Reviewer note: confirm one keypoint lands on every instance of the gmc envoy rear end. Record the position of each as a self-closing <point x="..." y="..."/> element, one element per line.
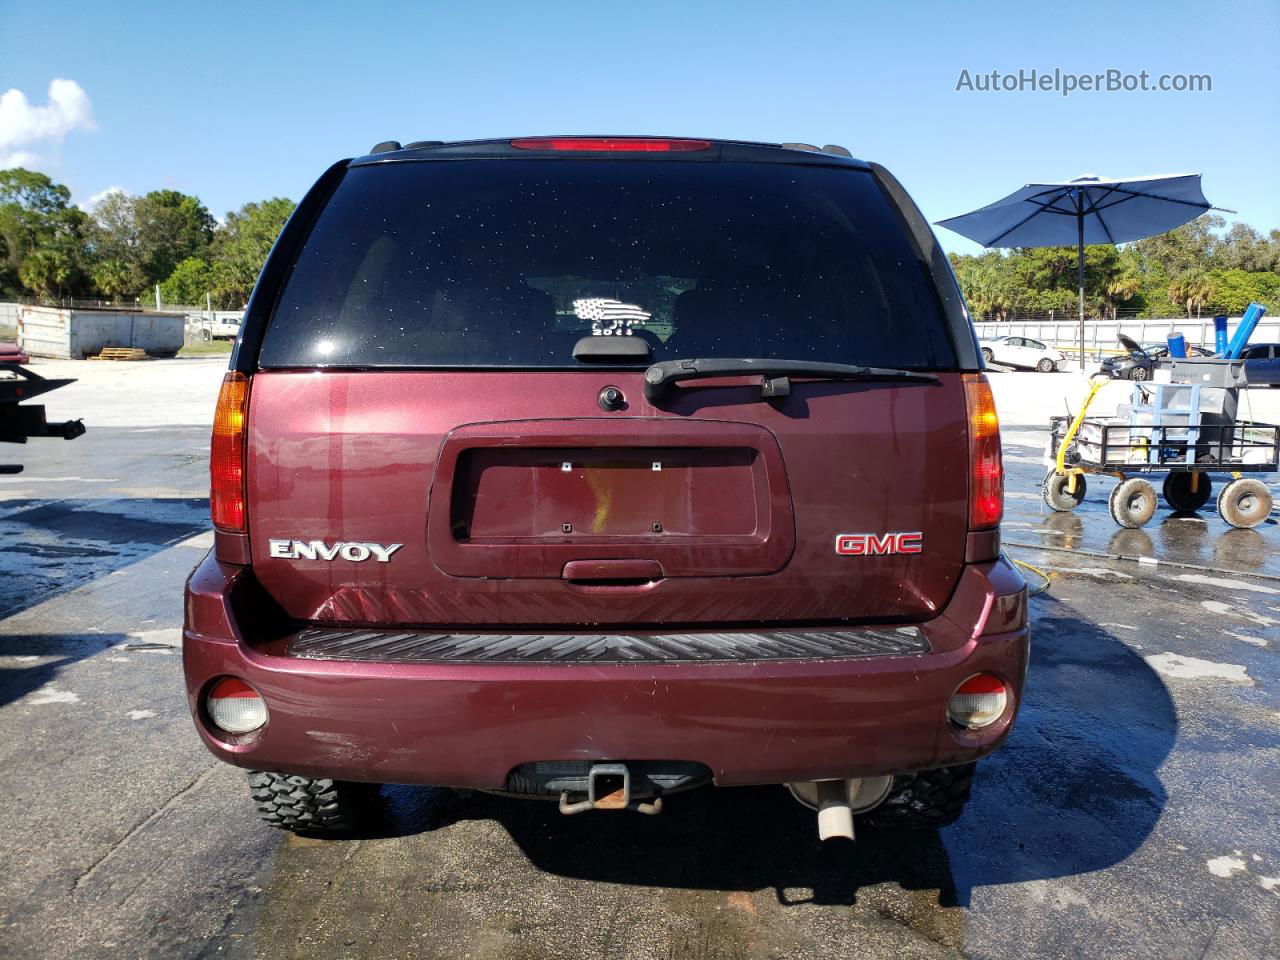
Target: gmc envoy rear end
<point x="598" y="469"/>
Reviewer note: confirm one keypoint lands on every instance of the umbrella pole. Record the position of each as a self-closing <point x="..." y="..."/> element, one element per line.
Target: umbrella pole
<point x="1080" y="271"/>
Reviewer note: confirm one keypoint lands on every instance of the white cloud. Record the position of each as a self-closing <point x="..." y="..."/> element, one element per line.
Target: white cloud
<point x="98" y="197"/>
<point x="24" y="124"/>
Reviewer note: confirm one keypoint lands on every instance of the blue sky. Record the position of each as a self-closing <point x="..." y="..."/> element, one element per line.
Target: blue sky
<point x="238" y="102"/>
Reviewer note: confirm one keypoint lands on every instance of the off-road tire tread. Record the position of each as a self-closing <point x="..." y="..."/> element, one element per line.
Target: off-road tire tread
<point x="1230" y="490"/>
<point x="924" y="801"/>
<point x="306" y="805"/>
<point x="1117" y="494"/>
<point x="1056" y="497"/>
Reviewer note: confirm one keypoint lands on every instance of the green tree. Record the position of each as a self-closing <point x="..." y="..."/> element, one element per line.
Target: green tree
<point x="1192" y="289"/>
<point x="118" y="279"/>
<point x="1189" y="247"/>
<point x="1234" y="290"/>
<point x="113" y="228"/>
<point x="171" y="227"/>
<point x="189" y="282"/>
<point x="36" y="217"/>
<point x="47" y="272"/>
<point x="241" y="246"/>
<point x="987" y="284"/>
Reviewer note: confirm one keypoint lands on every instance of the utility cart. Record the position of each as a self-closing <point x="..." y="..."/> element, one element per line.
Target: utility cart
<point x="1184" y="431"/>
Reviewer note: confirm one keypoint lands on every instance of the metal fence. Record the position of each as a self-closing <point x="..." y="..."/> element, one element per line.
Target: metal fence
<point x="1100" y="336"/>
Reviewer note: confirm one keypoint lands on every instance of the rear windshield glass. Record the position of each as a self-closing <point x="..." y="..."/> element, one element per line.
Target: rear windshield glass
<point x="507" y="263"/>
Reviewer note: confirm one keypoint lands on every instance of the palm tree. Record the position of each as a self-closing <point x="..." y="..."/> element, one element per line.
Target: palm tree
<point x="1193" y="289"/>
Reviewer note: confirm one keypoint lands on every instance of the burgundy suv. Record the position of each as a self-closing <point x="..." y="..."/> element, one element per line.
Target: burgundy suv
<point x="597" y="469"/>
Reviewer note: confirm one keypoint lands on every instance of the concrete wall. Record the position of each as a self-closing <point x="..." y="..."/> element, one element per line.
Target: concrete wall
<point x="76" y="334"/>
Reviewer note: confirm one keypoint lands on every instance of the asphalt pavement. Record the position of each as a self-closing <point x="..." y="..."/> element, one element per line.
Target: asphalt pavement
<point x="1134" y="812"/>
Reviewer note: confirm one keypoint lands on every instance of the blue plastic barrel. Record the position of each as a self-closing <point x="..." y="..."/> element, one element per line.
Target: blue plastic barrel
<point x="1177" y="346"/>
<point x="1220" y="335"/>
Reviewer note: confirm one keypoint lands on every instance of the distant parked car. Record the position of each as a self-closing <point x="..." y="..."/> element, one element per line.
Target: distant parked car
<point x="12" y="353"/>
<point x="1139" y="362"/>
<point x="221" y="327"/>
<point x="1021" y="352"/>
<point x="1262" y="363"/>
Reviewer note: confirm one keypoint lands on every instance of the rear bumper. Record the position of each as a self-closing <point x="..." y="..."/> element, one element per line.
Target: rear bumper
<point x="469" y="724"/>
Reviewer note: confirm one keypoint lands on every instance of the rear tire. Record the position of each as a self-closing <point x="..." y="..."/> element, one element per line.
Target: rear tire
<point x="1244" y="503"/>
<point x="1132" y="503"/>
<point x="1055" y="492"/>
<point x="1045" y="365"/>
<point x="309" y="806"/>
<point x="925" y="800"/>
<point x="987" y="355"/>
<point x="1178" y="493"/>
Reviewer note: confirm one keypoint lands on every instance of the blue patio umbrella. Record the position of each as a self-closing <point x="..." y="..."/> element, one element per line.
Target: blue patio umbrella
<point x="1083" y="211"/>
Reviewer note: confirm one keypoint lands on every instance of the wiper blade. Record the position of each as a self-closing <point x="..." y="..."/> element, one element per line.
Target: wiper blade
<point x="776" y="373"/>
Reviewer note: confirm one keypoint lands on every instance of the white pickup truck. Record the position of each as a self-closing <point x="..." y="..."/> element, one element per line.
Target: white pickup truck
<point x="222" y="326"/>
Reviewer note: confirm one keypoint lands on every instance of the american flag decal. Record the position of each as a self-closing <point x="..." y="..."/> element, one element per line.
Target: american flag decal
<point x="610" y="317"/>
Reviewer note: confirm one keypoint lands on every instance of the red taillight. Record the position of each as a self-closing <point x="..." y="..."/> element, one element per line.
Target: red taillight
<point x="612" y="144"/>
<point x="986" y="467"/>
<point x="235" y="707"/>
<point x="226" y="454"/>
<point x="978" y="702"/>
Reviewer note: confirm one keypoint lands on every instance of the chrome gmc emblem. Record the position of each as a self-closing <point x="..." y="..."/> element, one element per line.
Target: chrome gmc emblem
<point x="878" y="544"/>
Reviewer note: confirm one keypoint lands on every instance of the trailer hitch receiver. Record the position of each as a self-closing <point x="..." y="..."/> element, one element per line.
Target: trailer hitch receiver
<point x="609" y="788"/>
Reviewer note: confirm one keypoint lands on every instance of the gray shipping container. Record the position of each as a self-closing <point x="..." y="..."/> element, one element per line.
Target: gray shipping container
<point x="76" y="334"/>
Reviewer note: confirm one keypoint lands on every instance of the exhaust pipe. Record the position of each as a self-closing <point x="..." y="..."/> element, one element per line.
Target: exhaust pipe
<point x="836" y="801"/>
<point x="835" y="816"/>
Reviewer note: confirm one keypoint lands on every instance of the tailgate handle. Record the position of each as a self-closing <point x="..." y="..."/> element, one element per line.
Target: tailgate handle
<point x="613" y="571"/>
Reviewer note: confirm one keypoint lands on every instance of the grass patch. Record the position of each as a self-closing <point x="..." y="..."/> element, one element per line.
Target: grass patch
<point x="203" y="349"/>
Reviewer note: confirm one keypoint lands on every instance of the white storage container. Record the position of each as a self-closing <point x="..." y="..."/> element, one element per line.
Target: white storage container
<point x="76" y="334"/>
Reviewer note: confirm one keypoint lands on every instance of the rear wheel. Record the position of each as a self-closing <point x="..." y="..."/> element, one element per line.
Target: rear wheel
<point x="987" y="355"/>
<point x="1056" y="492"/>
<point x="1179" y="495"/>
<point x="1045" y="365"/>
<point x="305" y="805"/>
<point x="925" y="800"/>
<point x="1245" y="502"/>
<point x="1139" y="373"/>
<point x="1132" y="502"/>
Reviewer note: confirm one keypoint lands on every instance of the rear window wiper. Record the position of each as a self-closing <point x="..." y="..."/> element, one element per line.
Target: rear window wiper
<point x="776" y="374"/>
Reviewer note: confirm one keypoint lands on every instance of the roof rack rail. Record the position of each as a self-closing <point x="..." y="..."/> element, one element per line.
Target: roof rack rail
<point x="423" y="143"/>
<point x="837" y="150"/>
<point x="809" y="147"/>
<point x="386" y="146"/>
